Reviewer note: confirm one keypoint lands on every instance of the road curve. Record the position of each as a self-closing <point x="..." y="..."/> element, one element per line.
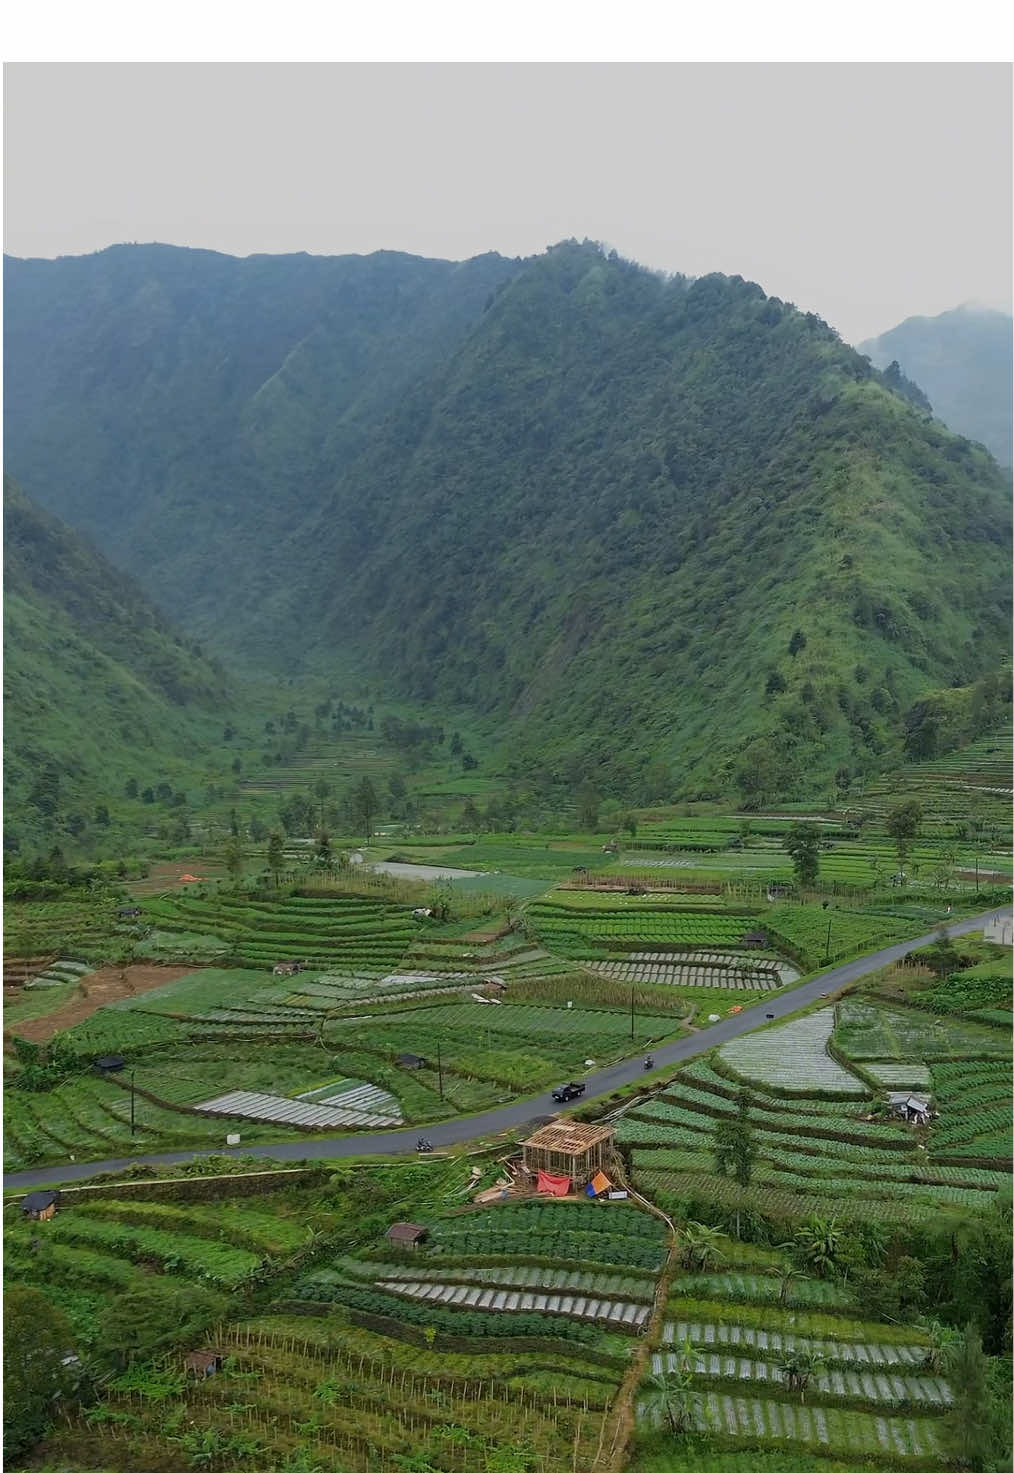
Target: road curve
<point x="492" y="1122"/>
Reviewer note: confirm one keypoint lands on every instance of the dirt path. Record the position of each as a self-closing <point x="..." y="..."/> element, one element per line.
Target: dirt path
<point x="94" y="992"/>
<point x="613" y="1451"/>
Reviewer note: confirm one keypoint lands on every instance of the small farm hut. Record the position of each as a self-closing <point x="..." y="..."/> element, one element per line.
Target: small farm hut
<point x="754" y="938"/>
<point x="41" y="1206"/>
<point x="406" y="1234"/>
<point x="110" y="1063"/>
<point x="286" y="969"/>
<point x="410" y="1061"/>
<point x="914" y="1109"/>
<point x="204" y="1363"/>
<point x="128" y="912"/>
<point x="568" y="1149"/>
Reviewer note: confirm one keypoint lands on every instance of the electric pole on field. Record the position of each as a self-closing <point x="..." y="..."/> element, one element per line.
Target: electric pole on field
<point x="440" y="1071"/>
<point x="631" y="1012"/>
<point x="132" y="1102"/>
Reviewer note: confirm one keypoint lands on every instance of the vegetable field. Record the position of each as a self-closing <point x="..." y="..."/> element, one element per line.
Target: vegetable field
<point x="814" y="1153"/>
<point x="869" y="1394"/>
<point x="792" y="1058"/>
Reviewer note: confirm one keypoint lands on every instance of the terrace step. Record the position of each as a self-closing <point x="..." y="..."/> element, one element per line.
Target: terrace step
<point x="500" y="1300"/>
<point x="253" y="1106"/>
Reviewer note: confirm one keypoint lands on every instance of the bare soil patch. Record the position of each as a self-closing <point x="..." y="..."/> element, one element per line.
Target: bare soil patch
<point x="168" y="875"/>
<point x="102" y="987"/>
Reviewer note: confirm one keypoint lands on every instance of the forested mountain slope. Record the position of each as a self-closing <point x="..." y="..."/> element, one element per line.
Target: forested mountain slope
<point x="674" y="535"/>
<point x="187" y="408"/>
<point x="962" y="359"/>
<point x="666" y="522"/>
<point x="96" y="684"/>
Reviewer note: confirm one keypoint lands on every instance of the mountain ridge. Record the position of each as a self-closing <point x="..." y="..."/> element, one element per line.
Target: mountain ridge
<point x="597" y="507"/>
<point x="962" y="359"/>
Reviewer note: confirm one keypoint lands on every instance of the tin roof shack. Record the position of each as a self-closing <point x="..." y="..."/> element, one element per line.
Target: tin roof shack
<point x="40" y="1206"/>
<point x="406" y="1234"/>
<point x="568" y="1148"/>
<point x="913" y="1109"/>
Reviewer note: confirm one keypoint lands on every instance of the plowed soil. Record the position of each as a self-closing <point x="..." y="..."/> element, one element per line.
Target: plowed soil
<point x="102" y="987"/>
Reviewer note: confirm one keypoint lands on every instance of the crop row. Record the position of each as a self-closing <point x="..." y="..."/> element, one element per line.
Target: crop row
<point x="676" y="1188"/>
<point x="841" y="1184"/>
<point x="761" y="1289"/>
<point x="772" y="1342"/>
<point x="849" y="1431"/>
<point x="194" y="1257"/>
<point x="793" y="1057"/>
<point x="617" y="1313"/>
<point x="518" y="1276"/>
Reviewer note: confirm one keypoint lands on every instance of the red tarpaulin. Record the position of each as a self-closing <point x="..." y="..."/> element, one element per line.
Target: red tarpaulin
<point x="556" y="1186"/>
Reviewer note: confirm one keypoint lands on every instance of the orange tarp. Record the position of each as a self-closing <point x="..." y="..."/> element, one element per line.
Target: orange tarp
<point x="191" y="879"/>
<point x="556" y="1186"/>
<point x="601" y="1183"/>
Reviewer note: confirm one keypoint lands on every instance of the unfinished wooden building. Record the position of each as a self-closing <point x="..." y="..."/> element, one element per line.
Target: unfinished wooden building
<point x="568" y="1148"/>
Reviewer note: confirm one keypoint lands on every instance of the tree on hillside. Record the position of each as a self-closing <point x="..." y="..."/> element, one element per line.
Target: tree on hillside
<point x="902" y="823"/>
<point x="323" y="849"/>
<point x="37" y="1383"/>
<point x="276" y="855"/>
<point x="587" y="808"/>
<point x="734" y="1149"/>
<point x="797" y="643"/>
<point x="364" y="805"/>
<point x="322" y="791"/>
<point x="470" y="819"/>
<point x="802" y="844"/>
<point x="234" y="859"/>
<point x="969" y="1429"/>
<point x="629" y="822"/>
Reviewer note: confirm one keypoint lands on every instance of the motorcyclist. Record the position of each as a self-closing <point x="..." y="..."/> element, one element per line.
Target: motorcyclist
<point x="649" y="1062"/>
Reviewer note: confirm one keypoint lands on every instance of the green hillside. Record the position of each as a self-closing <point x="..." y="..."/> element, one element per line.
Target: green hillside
<point x="677" y="533"/>
<point x="963" y="361"/>
<point x="96" y="683"/>
<point x="673" y="537"/>
<point x="187" y="408"/>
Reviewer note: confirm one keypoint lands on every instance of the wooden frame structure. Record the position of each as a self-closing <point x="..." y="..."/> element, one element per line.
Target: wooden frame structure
<point x="568" y="1148"/>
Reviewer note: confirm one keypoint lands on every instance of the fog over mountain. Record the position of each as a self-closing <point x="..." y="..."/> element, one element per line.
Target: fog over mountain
<point x="962" y="360"/>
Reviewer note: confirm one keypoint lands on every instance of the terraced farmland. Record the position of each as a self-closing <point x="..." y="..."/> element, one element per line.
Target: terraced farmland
<point x="106" y="1246"/>
<point x="813" y="1155"/>
<point x="792" y="1058"/>
<point x="585" y="931"/>
<point x="355" y="933"/>
<point x="869" y="1393"/>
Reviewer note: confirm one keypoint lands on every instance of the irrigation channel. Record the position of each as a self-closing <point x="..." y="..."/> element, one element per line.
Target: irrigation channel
<point x="493" y="1122"/>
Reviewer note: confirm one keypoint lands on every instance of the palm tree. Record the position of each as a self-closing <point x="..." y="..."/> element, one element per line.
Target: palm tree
<point x="669" y="1394"/>
<point x="798" y="1367"/>
<point x="788" y="1274"/>
<point x="818" y="1242"/>
<point x="700" y="1245"/>
<point x="945" y="1342"/>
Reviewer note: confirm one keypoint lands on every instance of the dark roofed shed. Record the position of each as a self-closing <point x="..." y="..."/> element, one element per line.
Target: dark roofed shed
<point x="406" y="1234"/>
<point x="41" y="1205"/>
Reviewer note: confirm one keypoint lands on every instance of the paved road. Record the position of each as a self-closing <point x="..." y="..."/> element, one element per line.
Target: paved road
<point x="493" y="1122"/>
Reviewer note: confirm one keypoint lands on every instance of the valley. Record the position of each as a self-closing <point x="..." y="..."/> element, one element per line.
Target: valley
<point x="429" y="685"/>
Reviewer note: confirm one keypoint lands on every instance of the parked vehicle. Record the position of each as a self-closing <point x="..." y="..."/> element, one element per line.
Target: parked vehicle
<point x="422" y="1144"/>
<point x="568" y="1092"/>
<point x="649" y="1062"/>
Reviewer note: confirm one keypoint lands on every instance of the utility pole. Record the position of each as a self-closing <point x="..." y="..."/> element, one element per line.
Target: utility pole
<point x="440" y="1071"/>
<point x="827" y="944"/>
<point x="631" y="1012"/>
<point x="132" y="1102"/>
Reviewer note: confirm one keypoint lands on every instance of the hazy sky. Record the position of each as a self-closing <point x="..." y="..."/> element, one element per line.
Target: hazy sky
<point x="865" y="192"/>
